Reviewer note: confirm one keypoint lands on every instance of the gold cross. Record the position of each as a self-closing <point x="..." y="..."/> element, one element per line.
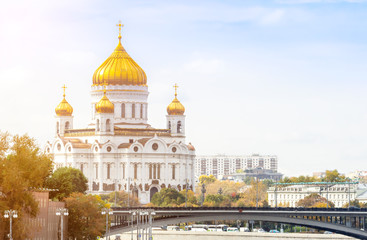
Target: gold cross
<point x="104" y="87"/>
<point x="120" y="25"/>
<point x="64" y="87"/>
<point x="175" y="86"/>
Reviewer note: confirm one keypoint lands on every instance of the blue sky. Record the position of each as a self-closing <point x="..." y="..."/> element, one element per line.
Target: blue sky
<point x="283" y="77"/>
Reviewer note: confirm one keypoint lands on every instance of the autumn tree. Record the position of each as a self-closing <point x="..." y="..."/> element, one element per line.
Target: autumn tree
<point x="85" y="220"/>
<point x="207" y="179"/>
<point x="314" y="200"/>
<point x="65" y="181"/>
<point x="121" y="198"/>
<point x="257" y="192"/>
<point x="168" y="197"/>
<point x="333" y="176"/>
<point x="23" y="169"/>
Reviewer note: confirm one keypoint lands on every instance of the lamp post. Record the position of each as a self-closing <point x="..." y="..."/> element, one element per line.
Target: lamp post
<point x="203" y="191"/>
<point x="128" y="192"/>
<point x="108" y="212"/>
<point x="11" y="214"/>
<point x="186" y="189"/>
<point x="132" y="224"/>
<point x="151" y="213"/>
<point x="62" y="212"/>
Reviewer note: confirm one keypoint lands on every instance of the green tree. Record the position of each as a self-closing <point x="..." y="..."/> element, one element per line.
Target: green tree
<point x="85" y="220"/>
<point x="168" y="197"/>
<point x="353" y="203"/>
<point x="23" y="169"/>
<point x="333" y="176"/>
<point x="314" y="200"/>
<point x="66" y="181"/>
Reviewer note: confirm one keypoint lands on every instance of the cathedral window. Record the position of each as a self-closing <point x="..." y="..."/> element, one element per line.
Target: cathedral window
<point x="82" y="168"/>
<point x="159" y="171"/>
<point x="155" y="146"/>
<point x="154" y="171"/>
<point x="135" y="171"/>
<point x="179" y="127"/>
<point x="96" y="167"/>
<point x="123" y="110"/>
<point x="133" y="110"/>
<point x="58" y="127"/>
<point x="141" y="111"/>
<point x="67" y="125"/>
<point x="169" y="125"/>
<point x="150" y="171"/>
<point x="123" y="170"/>
<point x="173" y="171"/>
<point x="108" y="171"/>
<point x="97" y="125"/>
<point x="108" y="125"/>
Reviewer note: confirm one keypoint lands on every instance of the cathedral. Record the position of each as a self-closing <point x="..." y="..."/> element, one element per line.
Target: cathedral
<point x="118" y="150"/>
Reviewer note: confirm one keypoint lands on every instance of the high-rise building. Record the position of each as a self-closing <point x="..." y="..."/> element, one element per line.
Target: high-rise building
<point x="118" y="149"/>
<point x="220" y="165"/>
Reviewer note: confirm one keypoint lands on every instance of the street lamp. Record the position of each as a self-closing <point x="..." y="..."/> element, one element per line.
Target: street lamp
<point x="108" y="212"/>
<point x="151" y="213"/>
<point x="62" y="212"/>
<point x="132" y="223"/>
<point x="11" y="214"/>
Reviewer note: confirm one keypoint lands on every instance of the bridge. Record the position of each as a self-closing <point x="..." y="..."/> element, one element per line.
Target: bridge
<point x="346" y="221"/>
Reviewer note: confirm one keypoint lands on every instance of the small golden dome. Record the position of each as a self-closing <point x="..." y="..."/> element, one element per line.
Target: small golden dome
<point x="119" y="69"/>
<point x="105" y="105"/>
<point x="175" y="107"/>
<point x="64" y="108"/>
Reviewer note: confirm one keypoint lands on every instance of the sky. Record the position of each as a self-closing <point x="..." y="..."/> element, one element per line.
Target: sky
<point x="272" y="77"/>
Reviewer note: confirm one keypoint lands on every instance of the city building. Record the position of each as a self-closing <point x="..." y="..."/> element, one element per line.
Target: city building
<point x="339" y="193"/>
<point x="255" y="173"/>
<point x="46" y="225"/>
<point x="118" y="149"/>
<point x="220" y="165"/>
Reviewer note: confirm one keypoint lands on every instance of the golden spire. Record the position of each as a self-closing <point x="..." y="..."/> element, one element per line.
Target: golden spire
<point x="64" y="87"/>
<point x="64" y="108"/>
<point x="120" y="26"/>
<point x="175" y="107"/>
<point x="175" y="86"/>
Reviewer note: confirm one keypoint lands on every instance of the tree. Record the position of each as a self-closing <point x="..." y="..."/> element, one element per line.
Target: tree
<point x="85" y="220"/>
<point x="168" y="197"/>
<point x="333" y="176"/>
<point x="121" y="199"/>
<point x="257" y="192"/>
<point x="66" y="180"/>
<point x="314" y="200"/>
<point x="23" y="168"/>
<point x="207" y="179"/>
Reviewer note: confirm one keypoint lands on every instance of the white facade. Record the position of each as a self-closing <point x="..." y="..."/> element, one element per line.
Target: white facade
<point x="288" y="196"/>
<point x="120" y="150"/>
<point x="220" y="165"/>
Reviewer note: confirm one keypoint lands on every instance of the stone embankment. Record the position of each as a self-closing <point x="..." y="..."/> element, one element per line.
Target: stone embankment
<point x="181" y="235"/>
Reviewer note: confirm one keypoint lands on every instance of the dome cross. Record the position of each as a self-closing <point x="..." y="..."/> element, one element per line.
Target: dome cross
<point x="64" y="87"/>
<point x="175" y="86"/>
<point x="120" y="26"/>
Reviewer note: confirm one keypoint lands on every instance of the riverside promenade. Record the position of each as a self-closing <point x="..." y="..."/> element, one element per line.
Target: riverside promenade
<point x="182" y="235"/>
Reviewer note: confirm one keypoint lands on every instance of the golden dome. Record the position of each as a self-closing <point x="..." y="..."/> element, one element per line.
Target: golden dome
<point x="105" y="105"/>
<point x="64" y="108"/>
<point x="175" y="107"/>
<point x="119" y="69"/>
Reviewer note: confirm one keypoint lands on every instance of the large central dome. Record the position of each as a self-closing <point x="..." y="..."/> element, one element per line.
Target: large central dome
<point x="119" y="69"/>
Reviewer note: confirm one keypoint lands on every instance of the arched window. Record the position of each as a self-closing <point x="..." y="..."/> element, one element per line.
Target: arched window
<point x="97" y="125"/>
<point x="108" y="171"/>
<point x="58" y="127"/>
<point x="169" y="125"/>
<point x="67" y="125"/>
<point x="150" y="171"/>
<point x="141" y="111"/>
<point x="154" y="171"/>
<point x="173" y="171"/>
<point x="123" y="110"/>
<point x="82" y="168"/>
<point x="135" y="171"/>
<point x="133" y="110"/>
<point x="108" y="125"/>
<point x="179" y="127"/>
